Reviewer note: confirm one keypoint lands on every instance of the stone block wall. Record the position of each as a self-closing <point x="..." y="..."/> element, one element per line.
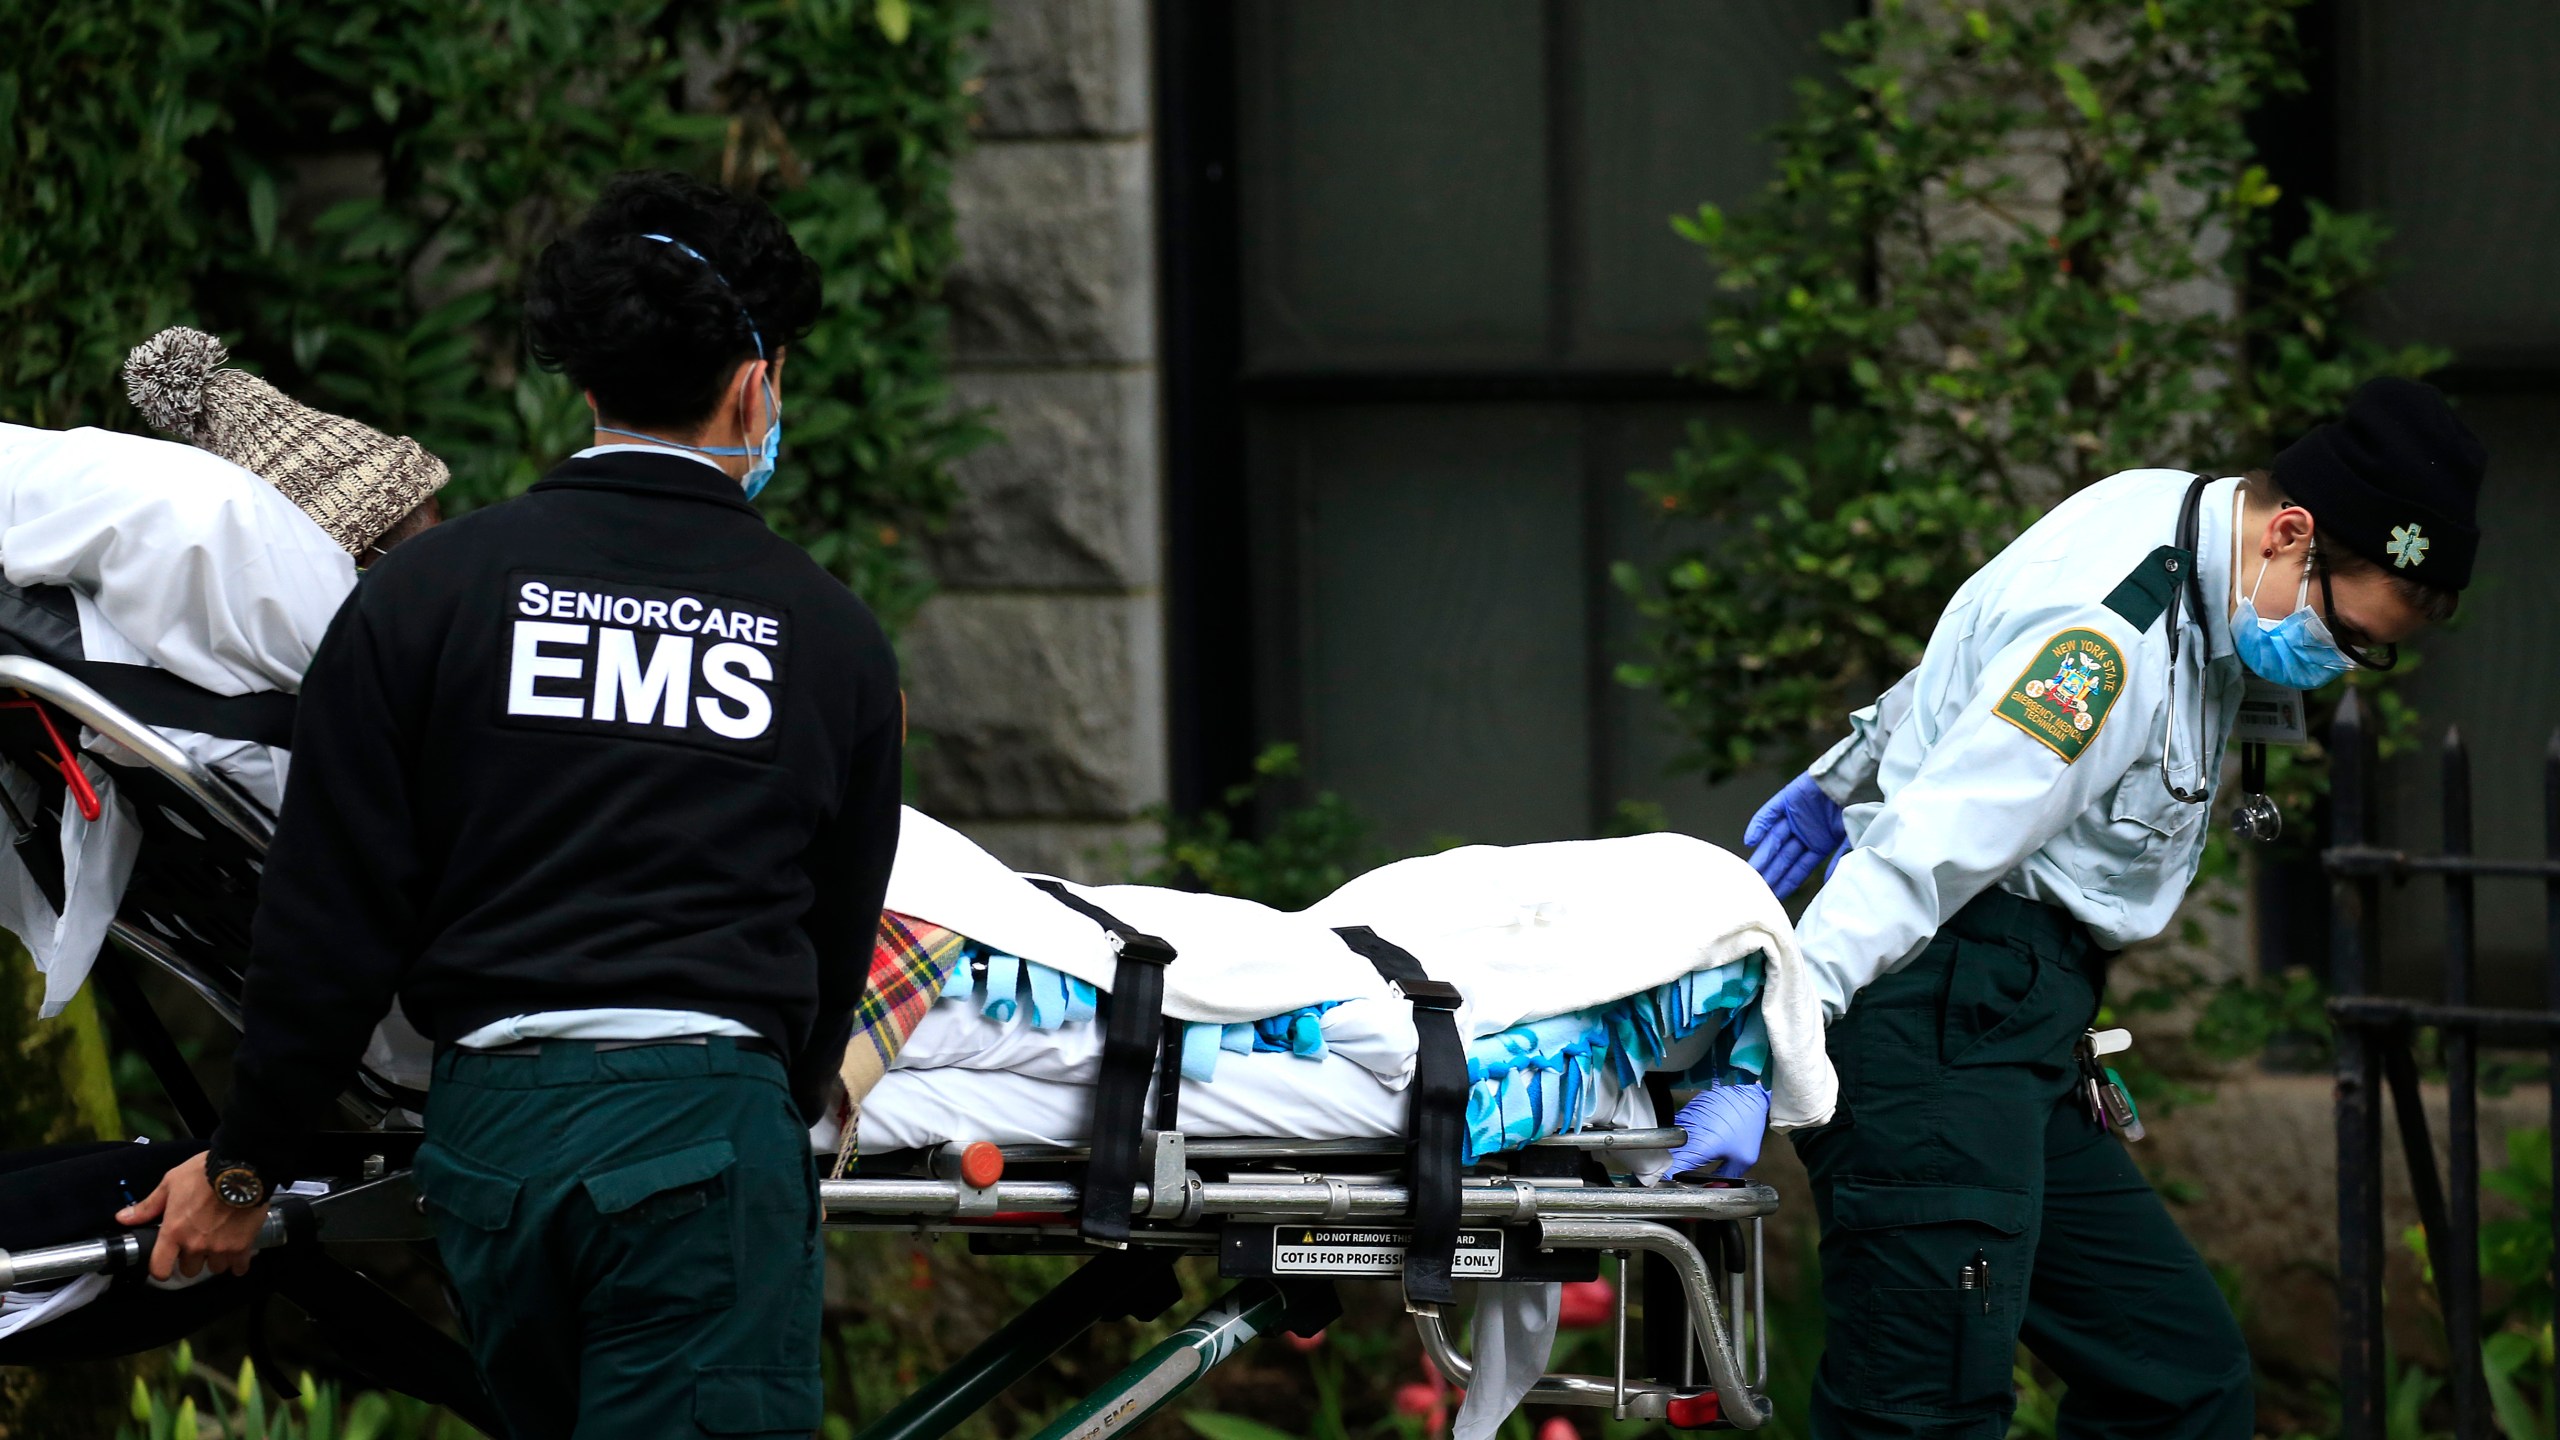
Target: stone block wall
<point x="1036" y="676"/>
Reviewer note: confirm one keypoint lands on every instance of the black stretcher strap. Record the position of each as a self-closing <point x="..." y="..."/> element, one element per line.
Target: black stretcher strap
<point x="156" y="697"/>
<point x="40" y="620"/>
<point x="1437" y="1124"/>
<point x="1135" y="1050"/>
<point x="43" y="623"/>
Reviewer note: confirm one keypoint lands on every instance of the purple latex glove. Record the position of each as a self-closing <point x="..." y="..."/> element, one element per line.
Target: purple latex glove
<point x="1794" y="831"/>
<point x="1725" y="1126"/>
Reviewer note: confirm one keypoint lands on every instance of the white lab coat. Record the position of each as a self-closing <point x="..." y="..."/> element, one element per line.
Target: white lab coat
<point x="176" y="558"/>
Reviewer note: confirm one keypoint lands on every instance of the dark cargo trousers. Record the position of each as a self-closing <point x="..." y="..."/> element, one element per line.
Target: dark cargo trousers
<point x="634" y="1236"/>
<point x="1961" y="1142"/>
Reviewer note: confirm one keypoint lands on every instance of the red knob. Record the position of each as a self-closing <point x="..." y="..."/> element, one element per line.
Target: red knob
<point x="1696" y="1412"/>
<point x="981" y="1164"/>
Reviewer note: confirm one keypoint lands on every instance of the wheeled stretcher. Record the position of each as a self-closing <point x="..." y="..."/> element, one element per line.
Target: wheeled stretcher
<point x="1283" y="1219"/>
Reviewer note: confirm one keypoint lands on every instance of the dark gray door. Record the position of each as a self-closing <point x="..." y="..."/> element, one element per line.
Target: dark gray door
<point x="2449" y="131"/>
<point x="1463" y="307"/>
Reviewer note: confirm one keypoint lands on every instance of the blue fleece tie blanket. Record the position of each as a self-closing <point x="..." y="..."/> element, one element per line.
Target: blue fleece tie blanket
<point x="1530" y="1081"/>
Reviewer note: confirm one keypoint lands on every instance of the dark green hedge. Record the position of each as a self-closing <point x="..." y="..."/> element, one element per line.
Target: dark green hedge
<point x="348" y="193"/>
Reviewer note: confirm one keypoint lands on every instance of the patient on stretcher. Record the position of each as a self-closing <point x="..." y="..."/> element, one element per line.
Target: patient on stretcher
<point x="220" y="561"/>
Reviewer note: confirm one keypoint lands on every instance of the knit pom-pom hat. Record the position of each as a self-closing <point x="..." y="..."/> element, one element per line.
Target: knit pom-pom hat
<point x="353" y="481"/>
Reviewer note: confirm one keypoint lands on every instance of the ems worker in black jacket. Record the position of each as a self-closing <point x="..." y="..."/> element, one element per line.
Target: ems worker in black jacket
<point x="602" y="783"/>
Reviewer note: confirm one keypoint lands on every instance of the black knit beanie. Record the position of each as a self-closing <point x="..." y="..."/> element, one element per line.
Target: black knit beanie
<point x="2396" y="481"/>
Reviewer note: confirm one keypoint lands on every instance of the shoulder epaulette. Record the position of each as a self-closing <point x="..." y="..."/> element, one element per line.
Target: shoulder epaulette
<point x="2142" y="595"/>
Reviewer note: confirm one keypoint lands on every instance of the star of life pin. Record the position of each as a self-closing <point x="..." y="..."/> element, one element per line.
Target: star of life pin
<point x="2408" y="545"/>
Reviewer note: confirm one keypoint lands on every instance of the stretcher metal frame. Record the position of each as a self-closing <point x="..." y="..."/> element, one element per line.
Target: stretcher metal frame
<point x="1177" y="1212"/>
<point x="1724" y="1311"/>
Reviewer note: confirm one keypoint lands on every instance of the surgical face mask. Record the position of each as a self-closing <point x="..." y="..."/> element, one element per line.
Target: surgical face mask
<point x="766" y="451"/>
<point x="2298" y="650"/>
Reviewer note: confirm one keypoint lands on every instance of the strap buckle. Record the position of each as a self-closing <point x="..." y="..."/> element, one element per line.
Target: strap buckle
<point x="1143" y="948"/>
<point x="1431" y="994"/>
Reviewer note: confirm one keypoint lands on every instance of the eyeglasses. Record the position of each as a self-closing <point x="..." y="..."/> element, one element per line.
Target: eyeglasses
<point x="2366" y="653"/>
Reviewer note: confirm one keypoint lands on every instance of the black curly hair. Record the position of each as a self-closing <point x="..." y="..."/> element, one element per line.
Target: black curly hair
<point x="650" y="331"/>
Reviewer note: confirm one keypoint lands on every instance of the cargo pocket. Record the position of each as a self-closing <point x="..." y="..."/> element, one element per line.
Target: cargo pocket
<point x="757" y="1400"/>
<point x="1918" y="1338"/>
<point x="670" y="1225"/>
<point x="465" y="1191"/>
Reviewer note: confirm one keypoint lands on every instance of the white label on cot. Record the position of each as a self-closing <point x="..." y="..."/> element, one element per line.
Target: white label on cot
<point x="1313" y="1250"/>
<point x="2270" y="714"/>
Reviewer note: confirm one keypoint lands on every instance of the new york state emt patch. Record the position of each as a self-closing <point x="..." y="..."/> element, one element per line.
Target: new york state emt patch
<point x="2063" y="695"/>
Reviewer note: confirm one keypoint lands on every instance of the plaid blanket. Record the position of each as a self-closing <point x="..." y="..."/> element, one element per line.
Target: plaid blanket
<point x="910" y="961"/>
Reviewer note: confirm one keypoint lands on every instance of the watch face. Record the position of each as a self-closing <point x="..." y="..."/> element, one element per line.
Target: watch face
<point x="239" y="1187"/>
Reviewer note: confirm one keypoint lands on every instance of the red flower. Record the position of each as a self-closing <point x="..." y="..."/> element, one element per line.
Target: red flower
<point x="1303" y="1343"/>
<point x="1587" y="1304"/>
<point x="1428" y="1399"/>
<point x="1423" y="1403"/>
<point x="1556" y="1427"/>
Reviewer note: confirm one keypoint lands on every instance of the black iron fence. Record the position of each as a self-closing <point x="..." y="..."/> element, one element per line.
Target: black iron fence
<point x="2376" y="1049"/>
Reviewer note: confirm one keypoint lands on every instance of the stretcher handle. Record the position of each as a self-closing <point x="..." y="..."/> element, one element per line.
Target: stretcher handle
<point x="107" y="1255"/>
<point x="385" y="1209"/>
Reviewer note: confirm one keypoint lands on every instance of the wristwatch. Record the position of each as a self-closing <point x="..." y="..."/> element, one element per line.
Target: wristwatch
<point x="236" y="1183"/>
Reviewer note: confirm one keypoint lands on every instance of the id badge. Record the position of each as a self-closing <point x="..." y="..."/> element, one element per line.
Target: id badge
<point x="2270" y="714"/>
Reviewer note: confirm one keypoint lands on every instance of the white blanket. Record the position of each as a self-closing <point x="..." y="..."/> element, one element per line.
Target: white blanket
<point x="1529" y="931"/>
<point x="1241" y="961"/>
<point x="1524" y="932"/>
<point x="175" y="558"/>
<point x="206" y="568"/>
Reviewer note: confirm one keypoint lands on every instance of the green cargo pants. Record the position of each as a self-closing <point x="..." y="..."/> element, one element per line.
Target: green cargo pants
<point x="1960" y="1142"/>
<point x="634" y="1236"/>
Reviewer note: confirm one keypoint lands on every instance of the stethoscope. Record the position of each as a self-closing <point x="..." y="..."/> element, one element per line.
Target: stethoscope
<point x="2256" y="817"/>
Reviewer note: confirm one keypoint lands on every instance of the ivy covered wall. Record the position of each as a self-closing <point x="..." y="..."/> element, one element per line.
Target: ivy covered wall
<point x="348" y="193"/>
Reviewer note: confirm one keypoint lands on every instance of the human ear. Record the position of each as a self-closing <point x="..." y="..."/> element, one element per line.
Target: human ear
<point x="2287" y="529"/>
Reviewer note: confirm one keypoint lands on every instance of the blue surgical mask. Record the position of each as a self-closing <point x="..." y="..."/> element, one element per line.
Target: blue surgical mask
<point x="2298" y="650"/>
<point x="768" y="451"/>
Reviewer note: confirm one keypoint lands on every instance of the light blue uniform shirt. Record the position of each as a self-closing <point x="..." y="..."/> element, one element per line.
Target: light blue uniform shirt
<point x="1945" y="798"/>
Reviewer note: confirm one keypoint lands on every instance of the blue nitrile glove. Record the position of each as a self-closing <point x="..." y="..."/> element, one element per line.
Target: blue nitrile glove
<point x="1797" y="829"/>
<point x="1725" y="1126"/>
